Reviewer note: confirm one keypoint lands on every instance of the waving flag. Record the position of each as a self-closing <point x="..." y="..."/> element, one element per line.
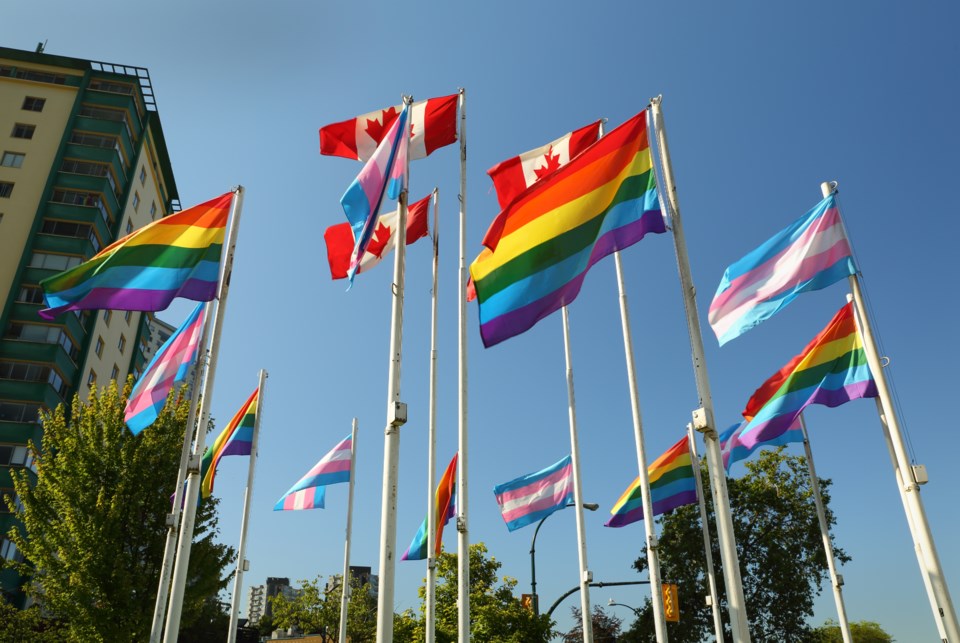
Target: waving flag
<point x="733" y="450"/>
<point x="433" y="124"/>
<point x="446" y="509"/>
<point x="671" y="485"/>
<point x="235" y="439"/>
<point x="385" y="174"/>
<point x="169" y="366"/>
<point x="810" y="254"/>
<point x="542" y="245"/>
<point x="309" y="491"/>
<point x="535" y="496"/>
<point x="177" y="256"/>
<point x="513" y="176"/>
<point x="340" y="242"/>
<point x="830" y="371"/>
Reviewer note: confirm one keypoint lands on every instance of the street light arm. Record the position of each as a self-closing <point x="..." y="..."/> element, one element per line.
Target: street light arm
<point x="556" y="603"/>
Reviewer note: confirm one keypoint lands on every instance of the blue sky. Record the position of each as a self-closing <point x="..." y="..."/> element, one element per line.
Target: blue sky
<point x="762" y="102"/>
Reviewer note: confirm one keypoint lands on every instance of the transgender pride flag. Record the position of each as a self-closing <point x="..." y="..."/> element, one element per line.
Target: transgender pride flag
<point x="309" y="491"/>
<point x="385" y="174"/>
<point x="810" y="254"/>
<point x="535" y="496"/>
<point x="169" y="366"/>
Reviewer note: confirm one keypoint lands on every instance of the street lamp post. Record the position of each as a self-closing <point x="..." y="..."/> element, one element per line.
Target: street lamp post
<point x="635" y="610"/>
<point x="591" y="506"/>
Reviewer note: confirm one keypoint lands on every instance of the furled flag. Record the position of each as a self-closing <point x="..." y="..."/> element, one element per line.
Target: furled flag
<point x="446" y="509"/>
<point x="235" y="439"/>
<point x="385" y="174"/>
<point x="309" y="491"/>
<point x="535" y="496"/>
<point x="169" y="366"/>
<point x="433" y="124"/>
<point x="810" y="254"/>
<point x="672" y="485"/>
<point x="733" y="450"/>
<point x="543" y="243"/>
<point x="513" y="176"/>
<point x="339" y="238"/>
<point x="830" y="371"/>
<point x="177" y="256"/>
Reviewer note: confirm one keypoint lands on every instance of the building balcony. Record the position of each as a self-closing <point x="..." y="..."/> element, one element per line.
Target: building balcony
<point x="63" y="245"/>
<point x="100" y="126"/>
<point x="97" y="154"/>
<point x="83" y="213"/>
<point x="90" y="184"/>
<point x="42" y="353"/>
<point x="20" y="433"/>
<point x="37" y="392"/>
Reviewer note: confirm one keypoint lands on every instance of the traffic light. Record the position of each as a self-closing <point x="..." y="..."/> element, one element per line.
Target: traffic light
<point x="671" y="607"/>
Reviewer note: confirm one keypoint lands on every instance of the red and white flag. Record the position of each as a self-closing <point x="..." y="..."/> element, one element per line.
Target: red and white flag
<point x="513" y="176"/>
<point x="339" y="238"/>
<point x="433" y="124"/>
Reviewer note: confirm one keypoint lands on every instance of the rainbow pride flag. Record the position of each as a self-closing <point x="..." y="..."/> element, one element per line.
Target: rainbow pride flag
<point x="177" y="256"/>
<point x="446" y="498"/>
<point x="732" y="450"/>
<point x="310" y="491"/>
<point x="671" y="485"/>
<point x="235" y="439"/>
<point x="169" y="366"/>
<point x="535" y="496"/>
<point x="541" y="246"/>
<point x="809" y="254"/>
<point x="830" y="371"/>
<point x="385" y="174"/>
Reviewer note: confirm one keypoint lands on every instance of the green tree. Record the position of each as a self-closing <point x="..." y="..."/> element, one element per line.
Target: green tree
<point x="495" y="613"/>
<point x="93" y="524"/>
<point x="606" y="628"/>
<point x="779" y="545"/>
<point x="861" y="631"/>
<point x="317" y="609"/>
<point x="18" y="625"/>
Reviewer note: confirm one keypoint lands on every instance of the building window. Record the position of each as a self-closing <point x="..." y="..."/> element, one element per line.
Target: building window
<point x="85" y="199"/>
<point x="31" y="372"/>
<point x="19" y="412"/>
<point x="22" y="130"/>
<point x="107" y="314"/>
<point x="15" y="455"/>
<point x="34" y="104"/>
<point x="153" y="209"/>
<point x="89" y="168"/>
<point x="42" y="333"/>
<point x="115" y="372"/>
<point x="53" y="262"/>
<point x="127" y="315"/>
<point x="136" y="200"/>
<point x="6" y="189"/>
<point x="68" y="229"/>
<point x="30" y="295"/>
<point x="129" y="226"/>
<point x="99" y="349"/>
<point x="8" y="550"/>
<point x="143" y="175"/>
<point x="91" y="377"/>
<point x="12" y="159"/>
<point x="122" y="344"/>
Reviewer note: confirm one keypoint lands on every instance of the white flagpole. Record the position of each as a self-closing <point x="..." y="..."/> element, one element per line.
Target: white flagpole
<point x="707" y="549"/>
<point x="653" y="556"/>
<point x="173" y="518"/>
<point x="244" y="521"/>
<point x="835" y="578"/>
<point x="396" y="417"/>
<point x="172" y="629"/>
<point x="463" y="535"/>
<point x="431" y="588"/>
<point x="703" y="418"/>
<point x="917" y="516"/>
<point x="345" y="579"/>
<point x="917" y="549"/>
<point x="586" y="577"/>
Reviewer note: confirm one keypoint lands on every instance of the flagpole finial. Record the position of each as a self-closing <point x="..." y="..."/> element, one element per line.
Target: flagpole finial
<point x="407" y="99"/>
<point x="656" y="100"/>
<point x="829" y="187"/>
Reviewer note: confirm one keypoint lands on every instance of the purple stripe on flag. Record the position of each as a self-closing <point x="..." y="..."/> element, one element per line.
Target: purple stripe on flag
<point x="137" y="300"/>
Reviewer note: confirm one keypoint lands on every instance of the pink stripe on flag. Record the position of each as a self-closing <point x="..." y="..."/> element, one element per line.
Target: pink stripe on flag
<point x="331" y="466"/>
<point x="518" y="495"/>
<point x="544" y="502"/>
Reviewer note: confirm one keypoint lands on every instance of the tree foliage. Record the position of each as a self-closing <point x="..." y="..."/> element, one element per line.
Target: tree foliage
<point x="317" y="609"/>
<point x="93" y="524"/>
<point x="606" y="627"/>
<point x="861" y="631"/>
<point x="495" y="613"/>
<point x="780" y="548"/>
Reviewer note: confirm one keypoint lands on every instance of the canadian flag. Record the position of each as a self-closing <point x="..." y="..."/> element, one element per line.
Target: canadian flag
<point x="433" y="124"/>
<point x="339" y="238"/>
<point x="513" y="176"/>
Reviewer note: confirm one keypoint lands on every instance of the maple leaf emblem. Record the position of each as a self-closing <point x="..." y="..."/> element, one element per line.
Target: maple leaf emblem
<point x="378" y="129"/>
<point x="552" y="164"/>
<point x="378" y="242"/>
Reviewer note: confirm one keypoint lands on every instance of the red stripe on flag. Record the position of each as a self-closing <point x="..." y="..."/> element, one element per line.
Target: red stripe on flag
<point x="440" y="122"/>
